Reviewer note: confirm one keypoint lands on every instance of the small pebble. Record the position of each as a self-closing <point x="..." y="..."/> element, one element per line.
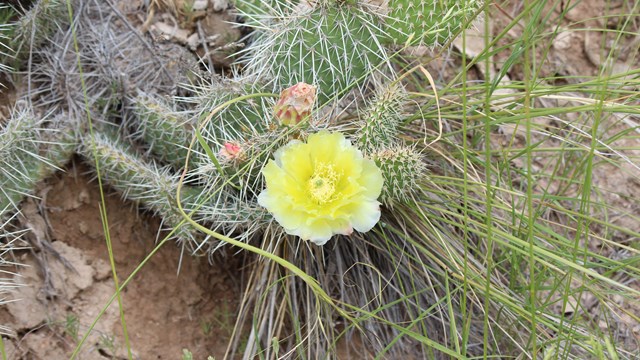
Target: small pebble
<point x="219" y="5"/>
<point x="200" y="5"/>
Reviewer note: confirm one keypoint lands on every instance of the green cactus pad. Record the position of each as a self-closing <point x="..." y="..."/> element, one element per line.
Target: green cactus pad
<point x="165" y="131"/>
<point x="31" y="150"/>
<point x="380" y="121"/>
<point x="401" y="167"/>
<point x="37" y="25"/>
<point x="139" y="181"/>
<point x="255" y="12"/>
<point x="431" y="22"/>
<point x="232" y="120"/>
<point x="333" y="47"/>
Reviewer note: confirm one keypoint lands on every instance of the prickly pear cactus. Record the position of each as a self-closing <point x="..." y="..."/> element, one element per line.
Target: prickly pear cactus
<point x="143" y="139"/>
<point x="335" y="48"/>
<point x="165" y="131"/>
<point x="143" y="182"/>
<point x="338" y="45"/>
<point x="428" y="22"/>
<point x="34" y="29"/>
<point x="32" y="148"/>
<point x="380" y="121"/>
<point x="227" y="119"/>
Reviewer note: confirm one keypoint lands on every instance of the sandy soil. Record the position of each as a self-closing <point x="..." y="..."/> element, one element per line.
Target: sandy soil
<point x="167" y="308"/>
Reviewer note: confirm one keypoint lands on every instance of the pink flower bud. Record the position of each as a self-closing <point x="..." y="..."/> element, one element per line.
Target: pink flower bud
<point x="231" y="151"/>
<point x="295" y="103"/>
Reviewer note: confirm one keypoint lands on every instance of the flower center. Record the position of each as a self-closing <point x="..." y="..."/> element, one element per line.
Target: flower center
<point x="322" y="185"/>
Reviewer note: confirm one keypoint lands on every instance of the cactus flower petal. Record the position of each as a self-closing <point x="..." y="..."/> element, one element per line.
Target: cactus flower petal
<point x="322" y="188"/>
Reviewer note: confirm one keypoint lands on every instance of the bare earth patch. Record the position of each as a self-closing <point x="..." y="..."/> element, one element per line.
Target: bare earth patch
<point x="165" y="310"/>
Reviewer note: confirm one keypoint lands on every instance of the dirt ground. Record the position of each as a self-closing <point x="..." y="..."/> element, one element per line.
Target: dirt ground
<point x="169" y="308"/>
<point x="166" y="308"/>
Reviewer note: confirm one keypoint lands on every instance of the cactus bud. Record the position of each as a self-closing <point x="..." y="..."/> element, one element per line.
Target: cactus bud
<point x="295" y="104"/>
<point x="401" y="168"/>
<point x="231" y="152"/>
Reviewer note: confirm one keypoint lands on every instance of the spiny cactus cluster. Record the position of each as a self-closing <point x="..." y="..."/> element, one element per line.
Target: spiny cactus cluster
<point x="6" y="28"/>
<point x="32" y="147"/>
<point x="143" y="137"/>
<point x="429" y="22"/>
<point x="21" y="38"/>
<point x="381" y="120"/>
<point x="338" y="45"/>
<point x="35" y="27"/>
<point x="333" y="45"/>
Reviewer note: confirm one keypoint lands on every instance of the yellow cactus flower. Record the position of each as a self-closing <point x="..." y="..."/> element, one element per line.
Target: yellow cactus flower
<point x="322" y="188"/>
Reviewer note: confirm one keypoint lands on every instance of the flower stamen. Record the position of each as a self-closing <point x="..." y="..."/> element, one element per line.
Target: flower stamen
<point x="322" y="185"/>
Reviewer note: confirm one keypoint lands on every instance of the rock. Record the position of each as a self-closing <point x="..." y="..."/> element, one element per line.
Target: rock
<point x="44" y="346"/>
<point x="32" y="309"/>
<point x="219" y="5"/>
<point x="11" y="350"/>
<point x="200" y="5"/>
<point x="83" y="227"/>
<point x="84" y="196"/>
<point x="563" y="40"/>
<point x="74" y="280"/>
<point x="193" y="42"/>
<point x="173" y="33"/>
<point x="474" y="46"/>
<point x="102" y="269"/>
<point x="219" y="32"/>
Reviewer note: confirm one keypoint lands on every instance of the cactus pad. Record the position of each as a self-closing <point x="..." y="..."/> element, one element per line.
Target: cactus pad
<point x="431" y="22"/>
<point x="333" y="48"/>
